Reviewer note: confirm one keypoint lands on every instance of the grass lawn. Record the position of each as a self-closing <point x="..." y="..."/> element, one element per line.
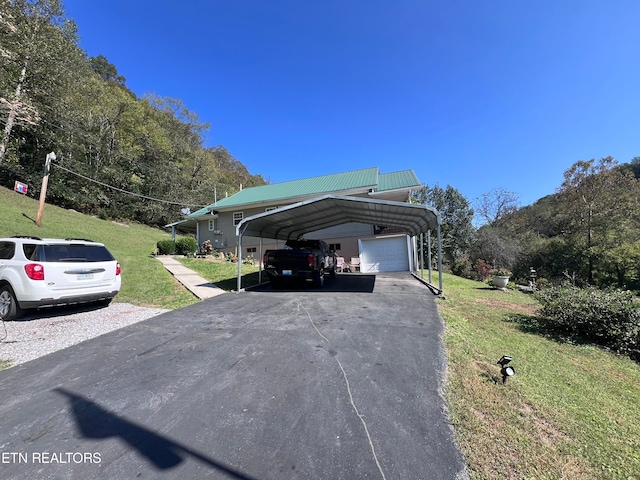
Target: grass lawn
<point x="571" y="411"/>
<point x="223" y="274"/>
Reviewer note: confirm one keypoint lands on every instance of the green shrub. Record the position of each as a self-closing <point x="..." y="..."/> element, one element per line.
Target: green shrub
<point x="166" y="247"/>
<point x="461" y="267"/>
<point x="542" y="283"/>
<point x="186" y="246"/>
<point x="501" y="272"/>
<point x="609" y="318"/>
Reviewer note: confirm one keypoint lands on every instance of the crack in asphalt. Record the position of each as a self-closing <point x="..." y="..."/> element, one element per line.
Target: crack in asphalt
<point x="346" y="380"/>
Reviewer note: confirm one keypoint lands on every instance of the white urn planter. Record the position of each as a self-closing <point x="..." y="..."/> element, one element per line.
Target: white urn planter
<point x="500" y="281"/>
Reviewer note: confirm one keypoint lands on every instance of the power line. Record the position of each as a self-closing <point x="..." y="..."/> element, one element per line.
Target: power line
<point x="127" y="192"/>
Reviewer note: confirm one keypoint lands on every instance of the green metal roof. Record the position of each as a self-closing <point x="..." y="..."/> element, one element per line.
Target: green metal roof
<point x="396" y="180"/>
<point x="326" y="184"/>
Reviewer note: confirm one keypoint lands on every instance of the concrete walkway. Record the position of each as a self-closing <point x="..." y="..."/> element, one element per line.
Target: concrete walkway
<point x="193" y="282"/>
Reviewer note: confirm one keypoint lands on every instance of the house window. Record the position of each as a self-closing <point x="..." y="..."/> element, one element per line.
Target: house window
<point x="334" y="247"/>
<point x="212" y="225"/>
<point x="251" y="250"/>
<point x="237" y="217"/>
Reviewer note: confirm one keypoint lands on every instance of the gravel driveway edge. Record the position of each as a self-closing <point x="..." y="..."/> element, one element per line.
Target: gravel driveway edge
<point x="47" y="331"/>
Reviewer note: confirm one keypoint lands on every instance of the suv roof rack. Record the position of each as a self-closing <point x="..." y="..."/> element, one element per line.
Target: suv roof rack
<point x="26" y="236"/>
<point x="79" y="240"/>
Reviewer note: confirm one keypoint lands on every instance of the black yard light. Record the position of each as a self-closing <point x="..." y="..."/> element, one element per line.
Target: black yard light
<point x="506" y="371"/>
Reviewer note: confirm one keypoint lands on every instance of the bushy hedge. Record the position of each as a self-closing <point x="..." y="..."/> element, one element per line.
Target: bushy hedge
<point x="166" y="247"/>
<point x="186" y="246"/>
<point x="606" y="317"/>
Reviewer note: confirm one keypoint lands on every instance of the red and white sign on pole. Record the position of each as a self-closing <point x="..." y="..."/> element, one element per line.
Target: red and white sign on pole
<point x="20" y="187"/>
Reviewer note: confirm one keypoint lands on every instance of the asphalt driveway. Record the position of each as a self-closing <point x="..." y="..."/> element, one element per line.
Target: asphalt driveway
<point x="338" y="383"/>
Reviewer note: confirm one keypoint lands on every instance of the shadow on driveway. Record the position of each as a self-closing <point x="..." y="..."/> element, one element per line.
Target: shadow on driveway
<point x="95" y="422"/>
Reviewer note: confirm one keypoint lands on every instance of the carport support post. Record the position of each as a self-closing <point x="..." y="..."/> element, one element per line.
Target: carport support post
<point x="260" y="263"/>
<point x="429" y="257"/>
<point x="439" y="258"/>
<point x="422" y="256"/>
<point x="239" y="262"/>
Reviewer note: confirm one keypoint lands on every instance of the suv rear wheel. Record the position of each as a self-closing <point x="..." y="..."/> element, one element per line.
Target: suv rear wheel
<point x="9" y="308"/>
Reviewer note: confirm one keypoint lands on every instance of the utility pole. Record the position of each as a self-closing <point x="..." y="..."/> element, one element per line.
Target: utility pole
<point x="45" y="182"/>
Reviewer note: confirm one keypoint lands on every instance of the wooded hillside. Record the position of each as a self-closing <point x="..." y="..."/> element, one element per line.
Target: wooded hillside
<point x="107" y="140"/>
<point x="586" y="233"/>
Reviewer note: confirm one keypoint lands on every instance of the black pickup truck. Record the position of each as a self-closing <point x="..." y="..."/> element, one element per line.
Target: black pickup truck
<point x="302" y="259"/>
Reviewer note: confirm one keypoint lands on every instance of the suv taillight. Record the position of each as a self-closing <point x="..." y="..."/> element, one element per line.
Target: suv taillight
<point x="117" y="269"/>
<point x="311" y="260"/>
<point x="34" y="271"/>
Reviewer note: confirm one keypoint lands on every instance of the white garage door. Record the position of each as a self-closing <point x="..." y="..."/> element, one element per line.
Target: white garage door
<point x="389" y="254"/>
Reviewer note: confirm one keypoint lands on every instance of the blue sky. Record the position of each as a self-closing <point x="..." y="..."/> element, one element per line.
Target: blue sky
<point x="473" y="94"/>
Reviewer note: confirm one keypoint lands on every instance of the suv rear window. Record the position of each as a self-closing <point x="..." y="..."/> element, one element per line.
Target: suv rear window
<point x="76" y="252"/>
<point x="28" y="249"/>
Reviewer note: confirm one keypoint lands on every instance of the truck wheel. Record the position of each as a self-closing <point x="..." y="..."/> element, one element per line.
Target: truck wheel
<point x="319" y="278"/>
<point x="9" y="308"/>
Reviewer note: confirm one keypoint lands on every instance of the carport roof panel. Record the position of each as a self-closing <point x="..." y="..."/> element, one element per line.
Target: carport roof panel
<point x="295" y="220"/>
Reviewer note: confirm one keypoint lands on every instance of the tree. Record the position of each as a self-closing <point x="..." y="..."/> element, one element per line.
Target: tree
<point x="496" y="204"/>
<point x="456" y="217"/>
<point x="495" y="248"/>
<point x="106" y="70"/>
<point x="38" y="45"/>
<point x="601" y="202"/>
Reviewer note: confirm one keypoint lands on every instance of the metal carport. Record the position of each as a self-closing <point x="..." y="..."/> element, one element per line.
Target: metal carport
<point x="294" y="221"/>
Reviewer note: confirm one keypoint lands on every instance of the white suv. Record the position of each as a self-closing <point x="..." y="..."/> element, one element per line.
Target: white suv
<point x="43" y="272"/>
